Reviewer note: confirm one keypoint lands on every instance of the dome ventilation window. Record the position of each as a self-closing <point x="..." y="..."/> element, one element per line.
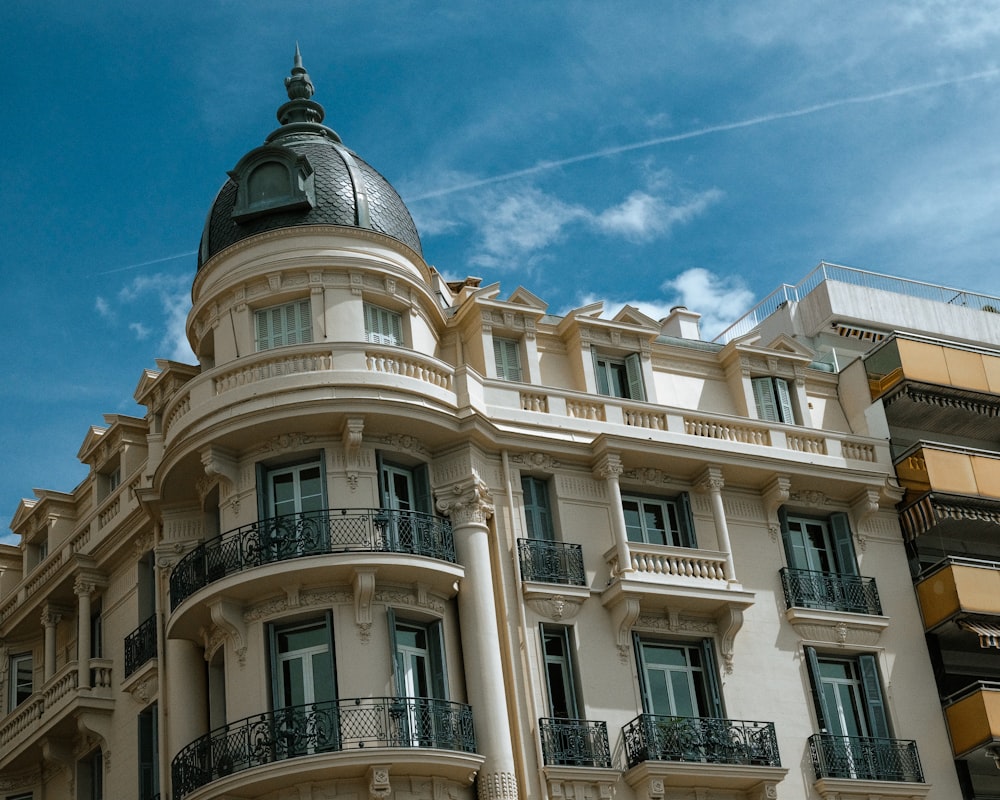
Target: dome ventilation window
<point x="271" y="179"/>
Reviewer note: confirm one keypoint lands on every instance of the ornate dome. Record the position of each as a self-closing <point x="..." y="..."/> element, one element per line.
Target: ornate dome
<point x="303" y="175"/>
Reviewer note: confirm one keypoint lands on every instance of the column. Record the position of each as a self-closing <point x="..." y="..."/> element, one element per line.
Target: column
<point x="185" y="697"/>
<point x="609" y="467"/>
<point x="469" y="507"/>
<point x="50" y="619"/>
<point x="711" y="481"/>
<point x="83" y="589"/>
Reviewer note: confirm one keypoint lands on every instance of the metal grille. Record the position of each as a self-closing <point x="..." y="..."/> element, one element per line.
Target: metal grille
<point x="827" y="590"/>
<point x="308" y="534"/>
<point x="140" y="645"/>
<point x="321" y="728"/>
<point x="551" y="562"/>
<point x="575" y="743"/>
<point x="651" y="737"/>
<point x="865" y="758"/>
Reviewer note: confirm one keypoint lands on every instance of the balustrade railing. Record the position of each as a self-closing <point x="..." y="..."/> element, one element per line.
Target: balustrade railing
<point x="308" y="534"/>
<point x="651" y="737"/>
<point x="140" y="645"/>
<point x="574" y="743"/>
<point x="551" y="562"/>
<point x="326" y="727"/>
<point x="865" y="758"/>
<point x="829" y="591"/>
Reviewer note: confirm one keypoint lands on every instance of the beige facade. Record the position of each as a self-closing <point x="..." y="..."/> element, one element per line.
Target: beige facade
<point x="399" y="537"/>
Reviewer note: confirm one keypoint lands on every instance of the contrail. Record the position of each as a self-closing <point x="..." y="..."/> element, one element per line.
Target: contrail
<point x="148" y="263"/>
<point x="544" y="166"/>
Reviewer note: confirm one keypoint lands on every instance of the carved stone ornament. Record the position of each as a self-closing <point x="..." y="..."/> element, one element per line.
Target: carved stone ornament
<point x="541" y="461"/>
<point x="556" y="607"/>
<point x="378" y="782"/>
<point x="497" y="786"/>
<point x="468" y="503"/>
<point x="405" y="442"/>
<point x="286" y="441"/>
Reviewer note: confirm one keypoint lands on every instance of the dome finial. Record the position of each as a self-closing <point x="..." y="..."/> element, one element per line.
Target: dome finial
<point x="300" y="107"/>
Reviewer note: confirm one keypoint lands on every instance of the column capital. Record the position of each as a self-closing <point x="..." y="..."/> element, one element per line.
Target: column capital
<point x="711" y="480"/>
<point x="51" y="616"/>
<point x="608" y="466"/>
<point x="88" y="581"/>
<point x="468" y="502"/>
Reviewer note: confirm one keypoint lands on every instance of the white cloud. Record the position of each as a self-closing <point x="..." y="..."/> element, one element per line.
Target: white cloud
<point x="720" y="299"/>
<point x="642" y="217"/>
<point x="103" y="308"/>
<point x="172" y="295"/>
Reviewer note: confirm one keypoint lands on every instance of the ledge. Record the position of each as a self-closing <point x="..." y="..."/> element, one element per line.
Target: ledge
<point x="837" y="627"/>
<point x="848" y="789"/>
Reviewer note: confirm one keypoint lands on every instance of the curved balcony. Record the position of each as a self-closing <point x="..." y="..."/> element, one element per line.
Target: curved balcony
<point x="293" y="536"/>
<point x="411" y="726"/>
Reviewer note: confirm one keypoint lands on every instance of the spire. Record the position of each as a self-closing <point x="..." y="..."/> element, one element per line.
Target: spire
<point x="300" y="106"/>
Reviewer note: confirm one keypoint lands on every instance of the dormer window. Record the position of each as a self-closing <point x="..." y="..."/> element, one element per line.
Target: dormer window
<point x="272" y="179"/>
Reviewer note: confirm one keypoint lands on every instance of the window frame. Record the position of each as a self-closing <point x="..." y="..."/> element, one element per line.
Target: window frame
<point x="383" y="325"/>
<point x="274" y="630"/>
<point x="537" y="504"/>
<point x="565" y="665"/>
<point x="839" y="542"/>
<point x="15" y="694"/>
<point x="683" y="536"/>
<point x="148" y="752"/>
<point x="871" y="697"/>
<point x="773" y="398"/>
<point x="299" y="329"/>
<point x="629" y="385"/>
<point x="437" y="661"/>
<point x="707" y="695"/>
<point x="507" y="359"/>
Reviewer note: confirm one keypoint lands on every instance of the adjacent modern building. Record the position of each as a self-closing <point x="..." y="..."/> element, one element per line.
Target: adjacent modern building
<point x="395" y="536"/>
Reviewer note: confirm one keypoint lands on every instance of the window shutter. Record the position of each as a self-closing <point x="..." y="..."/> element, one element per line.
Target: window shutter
<point x="794" y="541"/>
<point x="877" y="721"/>
<point x="383" y="482"/>
<point x="600" y="374"/>
<point x="816" y="684"/>
<point x="633" y="372"/>
<point x="763" y="393"/>
<point x="507" y="354"/>
<point x="710" y="670"/>
<point x="784" y="398"/>
<point x="422" y="489"/>
<point x="537" y="512"/>
<point x="394" y="327"/>
<point x="843" y="545"/>
<point x="686" y="520"/>
<point x="397" y="666"/>
<point x="640" y="662"/>
<point x="439" y="671"/>
<point x="263" y="330"/>
<point x="272" y="641"/>
<point x="370" y="322"/>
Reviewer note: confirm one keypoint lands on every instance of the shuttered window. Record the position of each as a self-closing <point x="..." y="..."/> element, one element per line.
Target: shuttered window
<point x="278" y="326"/>
<point x="773" y="399"/>
<point x="383" y="326"/>
<point x="619" y="377"/>
<point x="507" y="353"/>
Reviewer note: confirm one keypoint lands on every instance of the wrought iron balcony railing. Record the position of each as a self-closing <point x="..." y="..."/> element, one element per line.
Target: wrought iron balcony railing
<point x="140" y="645"/>
<point x="830" y="591"/>
<point x="865" y="758"/>
<point x="650" y="737"/>
<point x="327" y="727"/>
<point x="551" y="562"/>
<point x="574" y="743"/>
<point x="307" y="534"/>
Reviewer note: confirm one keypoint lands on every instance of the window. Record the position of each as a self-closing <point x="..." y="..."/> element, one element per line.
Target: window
<point x="282" y="325"/>
<point x="383" y="326"/>
<point x="537" y="511"/>
<point x="507" y="353"/>
<point x="405" y="517"/>
<point x="149" y="769"/>
<point x="21" y="680"/>
<point x="773" y="399"/>
<point x="296" y="489"/>
<point x="820" y="545"/>
<point x="652" y="520"/>
<point x="559" y="672"/>
<point x="302" y="668"/>
<point x="293" y="501"/>
<point x="418" y="651"/>
<point x="679" y="680"/>
<point x="848" y="695"/>
<point x="90" y="777"/>
<point x="96" y="631"/>
<point x="618" y="377"/>
<point x="114" y="479"/>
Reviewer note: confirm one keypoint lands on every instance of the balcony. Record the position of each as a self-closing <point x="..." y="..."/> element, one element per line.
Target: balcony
<point x="551" y="562"/>
<point x="830" y="591"/>
<point x="320" y="533"/>
<point x="140" y="646"/>
<point x="331" y="740"/>
<point x="574" y="743"/>
<point x="973" y="717"/>
<point x="865" y="758"/>
<point x="941" y="468"/>
<point x="959" y="586"/>
<point x="702" y="752"/>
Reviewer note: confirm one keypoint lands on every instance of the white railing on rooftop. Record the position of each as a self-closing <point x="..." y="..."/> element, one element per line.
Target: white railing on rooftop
<point x="856" y="277"/>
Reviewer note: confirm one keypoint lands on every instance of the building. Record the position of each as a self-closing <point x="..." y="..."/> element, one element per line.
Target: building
<point x="929" y="375"/>
<point x="395" y="536"/>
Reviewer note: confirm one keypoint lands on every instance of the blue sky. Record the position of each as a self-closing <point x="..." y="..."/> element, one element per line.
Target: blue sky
<point x="646" y="152"/>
